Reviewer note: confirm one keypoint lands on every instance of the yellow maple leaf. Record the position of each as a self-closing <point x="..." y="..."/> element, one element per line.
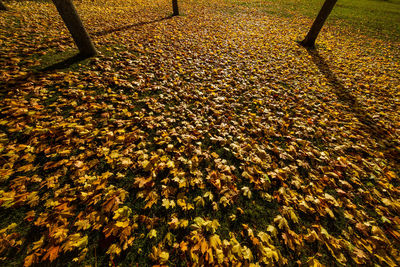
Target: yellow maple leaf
<point x="152" y="234"/>
<point x="163" y="256"/>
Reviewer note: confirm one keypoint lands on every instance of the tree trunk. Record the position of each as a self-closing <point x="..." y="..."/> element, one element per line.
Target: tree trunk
<point x="70" y="16"/>
<point x="2" y="6"/>
<point x="175" y="7"/>
<point x="323" y="14"/>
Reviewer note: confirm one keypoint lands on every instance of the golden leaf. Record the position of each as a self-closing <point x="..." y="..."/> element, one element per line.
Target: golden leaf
<point x="152" y="234"/>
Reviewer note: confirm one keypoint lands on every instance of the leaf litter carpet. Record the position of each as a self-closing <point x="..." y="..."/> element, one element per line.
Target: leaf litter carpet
<point x="208" y="138"/>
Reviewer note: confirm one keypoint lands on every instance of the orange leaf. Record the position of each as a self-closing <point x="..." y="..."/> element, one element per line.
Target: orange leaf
<point x="51" y="254"/>
<point x="29" y="260"/>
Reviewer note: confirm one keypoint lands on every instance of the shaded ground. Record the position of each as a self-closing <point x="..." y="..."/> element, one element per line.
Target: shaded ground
<point x="205" y="138"/>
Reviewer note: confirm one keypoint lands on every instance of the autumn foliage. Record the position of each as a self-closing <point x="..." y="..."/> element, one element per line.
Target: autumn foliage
<point x="209" y="138"/>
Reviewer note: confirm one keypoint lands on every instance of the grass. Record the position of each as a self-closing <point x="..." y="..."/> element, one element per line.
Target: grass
<point x="64" y="60"/>
<point x="380" y="18"/>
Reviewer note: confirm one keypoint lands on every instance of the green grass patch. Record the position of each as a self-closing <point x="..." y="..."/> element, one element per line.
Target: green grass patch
<point x="380" y="18"/>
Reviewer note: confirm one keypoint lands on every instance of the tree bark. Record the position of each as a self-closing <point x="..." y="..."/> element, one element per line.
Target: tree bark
<point x="3" y="7"/>
<point x="309" y="40"/>
<point x="70" y="16"/>
<point x="175" y="8"/>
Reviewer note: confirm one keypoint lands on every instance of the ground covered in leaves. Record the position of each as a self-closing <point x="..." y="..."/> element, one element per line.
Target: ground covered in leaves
<point x="208" y="138"/>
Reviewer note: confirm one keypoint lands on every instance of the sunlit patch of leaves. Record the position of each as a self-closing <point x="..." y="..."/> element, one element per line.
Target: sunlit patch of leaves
<point x="196" y="140"/>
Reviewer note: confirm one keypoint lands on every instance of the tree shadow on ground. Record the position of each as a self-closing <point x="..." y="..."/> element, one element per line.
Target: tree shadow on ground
<point x="35" y="75"/>
<point x="127" y="27"/>
<point x="68" y="62"/>
<point x="67" y="40"/>
<point x="383" y="136"/>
